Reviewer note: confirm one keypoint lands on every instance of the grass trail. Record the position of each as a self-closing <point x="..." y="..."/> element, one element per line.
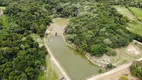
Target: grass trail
<point x="125" y="12"/>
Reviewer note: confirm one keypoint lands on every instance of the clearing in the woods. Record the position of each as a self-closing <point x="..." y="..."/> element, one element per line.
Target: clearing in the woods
<point x="125" y="12"/>
<point x="124" y="55"/>
<point x="135" y="27"/>
<point x="137" y="12"/>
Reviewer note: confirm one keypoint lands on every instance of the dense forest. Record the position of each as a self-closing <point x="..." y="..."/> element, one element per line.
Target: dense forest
<point x="136" y="69"/>
<point x="95" y="27"/>
<point x="99" y="30"/>
<point x="21" y="58"/>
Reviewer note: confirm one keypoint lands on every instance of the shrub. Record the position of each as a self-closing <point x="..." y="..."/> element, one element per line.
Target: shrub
<point x="100" y="70"/>
<point x="123" y="78"/>
<point x="110" y="66"/>
<point x="111" y="52"/>
<point x="136" y="69"/>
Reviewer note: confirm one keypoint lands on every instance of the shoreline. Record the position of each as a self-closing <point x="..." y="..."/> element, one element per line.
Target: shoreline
<point x="56" y="62"/>
<point x="86" y="54"/>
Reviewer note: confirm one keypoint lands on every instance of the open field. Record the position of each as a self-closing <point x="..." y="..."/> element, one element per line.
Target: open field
<point x="124" y="55"/>
<point x="125" y="12"/>
<point x="117" y="75"/>
<point x="135" y="28"/>
<point x="127" y="54"/>
<point x="137" y="12"/>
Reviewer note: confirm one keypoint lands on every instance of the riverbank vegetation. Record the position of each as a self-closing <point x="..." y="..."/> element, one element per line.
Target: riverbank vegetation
<point x="101" y="27"/>
<point x="95" y="27"/>
<point x="48" y="73"/>
<point x="99" y="30"/>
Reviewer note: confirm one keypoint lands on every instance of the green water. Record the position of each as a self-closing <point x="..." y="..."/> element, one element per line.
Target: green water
<point x="75" y="64"/>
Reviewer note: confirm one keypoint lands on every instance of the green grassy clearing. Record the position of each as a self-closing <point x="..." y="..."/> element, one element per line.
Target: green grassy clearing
<point x="123" y="55"/>
<point x="48" y="73"/>
<point x="137" y="12"/>
<point x="3" y="8"/>
<point x="125" y="12"/>
<point x="135" y="28"/>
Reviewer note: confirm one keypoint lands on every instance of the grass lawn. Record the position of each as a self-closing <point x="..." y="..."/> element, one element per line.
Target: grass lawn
<point x="3" y="8"/>
<point x="125" y="12"/>
<point x="48" y="73"/>
<point x="137" y="12"/>
<point x="124" y="55"/>
<point x="135" y="28"/>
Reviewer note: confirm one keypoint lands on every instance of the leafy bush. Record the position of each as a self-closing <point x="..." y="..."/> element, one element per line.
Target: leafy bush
<point x="136" y="69"/>
<point x="98" y="50"/>
<point x="110" y="66"/>
<point x="123" y="78"/>
<point x="111" y="52"/>
<point x="100" y="70"/>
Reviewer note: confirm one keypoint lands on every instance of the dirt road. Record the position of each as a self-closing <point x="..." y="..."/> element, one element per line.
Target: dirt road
<point x="119" y="68"/>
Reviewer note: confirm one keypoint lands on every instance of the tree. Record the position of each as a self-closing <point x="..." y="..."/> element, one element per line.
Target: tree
<point x="110" y="66"/>
<point x="111" y="52"/>
<point x="100" y="71"/>
<point x="30" y="71"/>
<point x="98" y="50"/>
<point x="23" y="76"/>
<point x="136" y="69"/>
<point x="99" y="25"/>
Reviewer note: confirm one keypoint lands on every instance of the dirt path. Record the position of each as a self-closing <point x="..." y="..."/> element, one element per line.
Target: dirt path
<point x="120" y="68"/>
<point x="116" y="76"/>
